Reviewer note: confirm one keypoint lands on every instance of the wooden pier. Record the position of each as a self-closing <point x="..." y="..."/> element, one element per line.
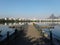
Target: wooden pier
<point x="28" y="35"/>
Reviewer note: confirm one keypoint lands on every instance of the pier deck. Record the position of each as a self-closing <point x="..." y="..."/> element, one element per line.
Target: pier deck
<point x="32" y="32"/>
<point x="29" y="36"/>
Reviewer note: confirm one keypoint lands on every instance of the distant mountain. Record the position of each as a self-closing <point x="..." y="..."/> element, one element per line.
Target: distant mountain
<point x="58" y="17"/>
<point x="53" y="17"/>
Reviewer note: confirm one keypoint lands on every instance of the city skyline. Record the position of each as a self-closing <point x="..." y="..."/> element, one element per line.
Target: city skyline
<point x="29" y="8"/>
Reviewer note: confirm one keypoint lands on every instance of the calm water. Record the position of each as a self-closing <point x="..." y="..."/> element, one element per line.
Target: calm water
<point x="4" y="29"/>
<point x="56" y="31"/>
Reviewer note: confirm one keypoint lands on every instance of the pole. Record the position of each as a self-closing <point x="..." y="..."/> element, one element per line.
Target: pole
<point x="8" y="38"/>
<point x="51" y="39"/>
<point x="15" y="33"/>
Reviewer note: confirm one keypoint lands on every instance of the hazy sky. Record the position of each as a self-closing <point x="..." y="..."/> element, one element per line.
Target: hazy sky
<point x="29" y="8"/>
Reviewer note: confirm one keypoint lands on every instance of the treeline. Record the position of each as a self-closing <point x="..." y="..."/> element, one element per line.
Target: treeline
<point x="12" y="21"/>
<point x="3" y="21"/>
<point x="50" y="20"/>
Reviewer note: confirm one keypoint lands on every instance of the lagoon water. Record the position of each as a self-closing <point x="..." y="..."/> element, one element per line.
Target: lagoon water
<point x="3" y="31"/>
<point x="56" y="31"/>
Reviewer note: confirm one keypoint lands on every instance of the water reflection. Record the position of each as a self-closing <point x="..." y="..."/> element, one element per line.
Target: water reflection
<point x="40" y="23"/>
<point x="5" y="27"/>
<point x="55" y="31"/>
<point x="12" y="23"/>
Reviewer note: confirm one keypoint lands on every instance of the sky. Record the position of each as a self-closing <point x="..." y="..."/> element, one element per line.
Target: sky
<point x="29" y="8"/>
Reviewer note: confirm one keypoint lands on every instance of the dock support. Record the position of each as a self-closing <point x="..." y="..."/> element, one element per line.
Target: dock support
<point x="15" y="33"/>
<point x="8" y="38"/>
<point x="51" y="39"/>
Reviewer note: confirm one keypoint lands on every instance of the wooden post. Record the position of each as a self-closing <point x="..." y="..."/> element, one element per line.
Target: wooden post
<point x="8" y="38"/>
<point x="0" y="33"/>
<point x="51" y="39"/>
<point x="43" y="33"/>
<point x="15" y="33"/>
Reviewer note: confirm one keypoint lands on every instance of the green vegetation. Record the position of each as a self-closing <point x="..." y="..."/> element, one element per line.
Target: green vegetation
<point x="17" y="20"/>
<point x="12" y="21"/>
